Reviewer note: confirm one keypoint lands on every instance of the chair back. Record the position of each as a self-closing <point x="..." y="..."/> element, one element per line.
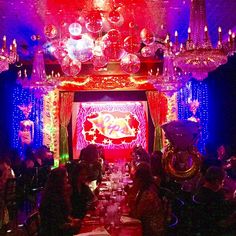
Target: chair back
<point x="32" y="224"/>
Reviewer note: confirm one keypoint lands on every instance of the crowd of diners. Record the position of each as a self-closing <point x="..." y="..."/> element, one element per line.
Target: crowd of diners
<point x="68" y="192"/>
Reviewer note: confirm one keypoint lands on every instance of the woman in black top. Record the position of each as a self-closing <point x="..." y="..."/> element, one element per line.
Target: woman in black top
<point x="55" y="206"/>
<point x="82" y="198"/>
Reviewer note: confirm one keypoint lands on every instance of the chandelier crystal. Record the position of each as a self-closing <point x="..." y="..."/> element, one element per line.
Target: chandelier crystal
<point x="39" y="83"/>
<point x="172" y="78"/>
<point x="198" y="55"/>
<point x="7" y="56"/>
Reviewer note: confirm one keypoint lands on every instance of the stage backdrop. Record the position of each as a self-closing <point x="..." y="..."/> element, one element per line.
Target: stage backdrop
<point x="117" y="126"/>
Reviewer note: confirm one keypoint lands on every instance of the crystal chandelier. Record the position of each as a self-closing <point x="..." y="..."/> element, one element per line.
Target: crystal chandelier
<point x="7" y="57"/>
<point x="39" y="83"/>
<point x="198" y="55"/>
<point x="172" y="78"/>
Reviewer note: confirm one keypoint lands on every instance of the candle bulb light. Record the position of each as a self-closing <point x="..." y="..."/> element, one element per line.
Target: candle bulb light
<point x="219" y="34"/>
<point x="230" y="40"/>
<point x="25" y="73"/>
<point x="7" y="56"/>
<point x="189" y="34"/>
<point x="233" y="41"/>
<point x="176" y="37"/>
<point x="14" y="45"/>
<point x="4" y="46"/>
<point x="206" y="32"/>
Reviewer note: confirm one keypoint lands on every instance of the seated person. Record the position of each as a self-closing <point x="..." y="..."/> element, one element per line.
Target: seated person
<point x="145" y="203"/>
<point x="55" y="206"/>
<point x="46" y="156"/>
<point x="211" y="197"/>
<point x="90" y="157"/>
<point x="6" y="172"/>
<point x="156" y="166"/>
<point x="82" y="198"/>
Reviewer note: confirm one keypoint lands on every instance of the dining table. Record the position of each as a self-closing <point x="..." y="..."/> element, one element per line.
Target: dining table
<point x="111" y="214"/>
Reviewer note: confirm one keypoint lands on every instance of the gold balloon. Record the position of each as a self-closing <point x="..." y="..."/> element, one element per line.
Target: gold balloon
<point x="181" y="165"/>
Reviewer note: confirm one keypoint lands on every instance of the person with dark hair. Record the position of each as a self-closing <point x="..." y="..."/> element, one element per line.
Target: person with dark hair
<point x="55" y="206"/>
<point x="82" y="198"/>
<point x="16" y="162"/>
<point x="90" y="157"/>
<point x="139" y="155"/>
<point x="6" y="172"/>
<point x="212" y="187"/>
<point x="211" y="200"/>
<point x="156" y="165"/>
<point x="146" y="204"/>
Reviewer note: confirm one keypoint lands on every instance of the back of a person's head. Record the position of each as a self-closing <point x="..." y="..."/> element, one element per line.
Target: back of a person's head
<point x="143" y="173"/>
<point x="156" y="163"/>
<point x="79" y="168"/>
<point x="214" y="174"/>
<point x="55" y="182"/>
<point x="56" y="190"/>
<point x="90" y="153"/>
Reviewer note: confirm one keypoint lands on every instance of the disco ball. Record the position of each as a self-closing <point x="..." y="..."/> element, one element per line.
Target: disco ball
<point x="114" y="16"/>
<point x="131" y="44"/>
<point x="50" y="31"/>
<point x="130" y="64"/>
<point x="147" y="36"/>
<point x="70" y="67"/>
<point x="94" y="22"/>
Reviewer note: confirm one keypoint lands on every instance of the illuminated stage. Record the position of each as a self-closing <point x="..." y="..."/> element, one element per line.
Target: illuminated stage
<point x="117" y="126"/>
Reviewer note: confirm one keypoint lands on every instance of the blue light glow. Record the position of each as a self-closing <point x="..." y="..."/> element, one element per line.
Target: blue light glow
<point x="195" y="90"/>
<point x="20" y="97"/>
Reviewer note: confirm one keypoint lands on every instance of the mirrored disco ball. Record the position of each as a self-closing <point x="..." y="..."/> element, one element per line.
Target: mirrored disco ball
<point x="147" y="36"/>
<point x="70" y="67"/>
<point x="130" y="64"/>
<point x="50" y="31"/>
<point x="94" y="22"/>
<point x="132" y="44"/>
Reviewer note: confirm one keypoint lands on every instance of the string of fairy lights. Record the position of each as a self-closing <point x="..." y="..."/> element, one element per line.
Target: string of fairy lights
<point x="22" y="96"/>
<point x="195" y="90"/>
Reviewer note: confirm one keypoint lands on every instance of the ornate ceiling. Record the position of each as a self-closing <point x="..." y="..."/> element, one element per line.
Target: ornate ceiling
<point x="21" y="19"/>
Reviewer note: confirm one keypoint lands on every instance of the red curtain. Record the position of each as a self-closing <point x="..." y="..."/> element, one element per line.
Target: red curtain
<point x="157" y="103"/>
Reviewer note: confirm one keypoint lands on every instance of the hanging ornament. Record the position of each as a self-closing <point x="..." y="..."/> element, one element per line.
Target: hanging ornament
<point x="130" y="64"/>
<point x="114" y="16"/>
<point x="113" y="35"/>
<point x="94" y="22"/>
<point x="131" y="44"/>
<point x="81" y="49"/>
<point x="50" y="31"/>
<point x="70" y="67"/>
<point x="114" y="51"/>
<point x="75" y="29"/>
<point x="99" y="61"/>
<point x="147" y="36"/>
<point x="147" y="51"/>
<point x="58" y="50"/>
